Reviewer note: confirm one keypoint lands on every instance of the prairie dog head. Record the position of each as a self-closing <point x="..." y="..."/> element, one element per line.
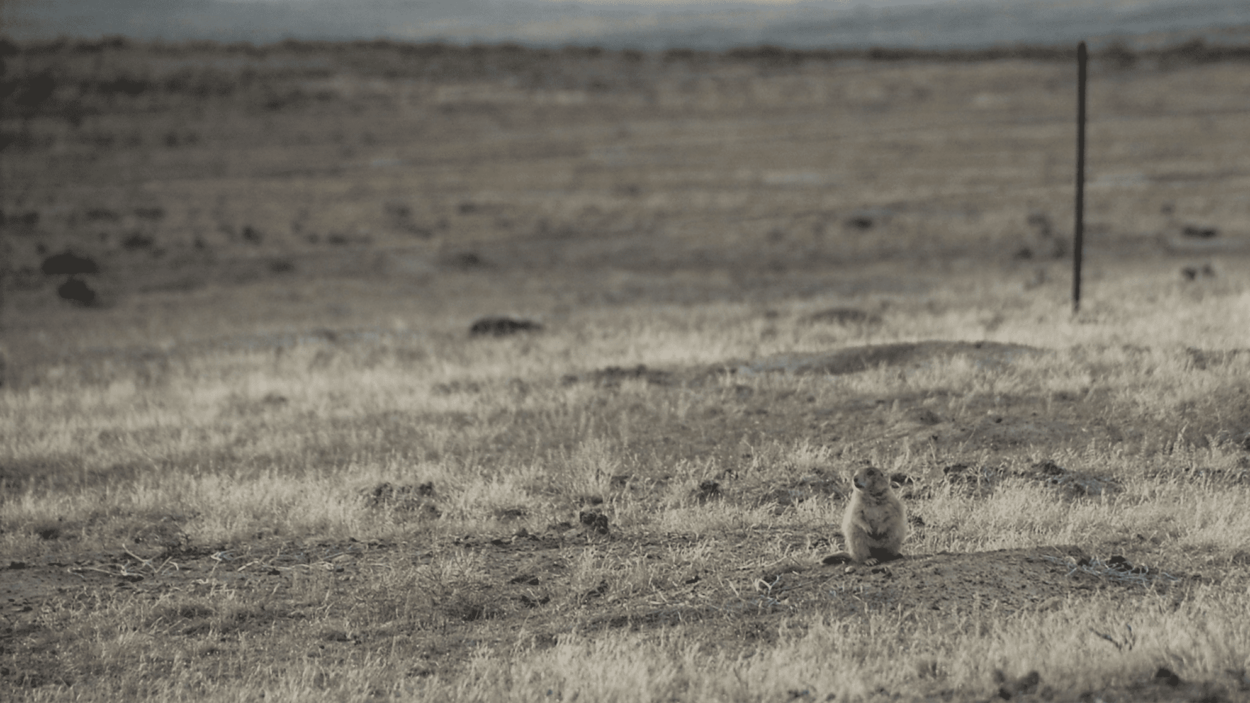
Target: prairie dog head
<point x="871" y="481"/>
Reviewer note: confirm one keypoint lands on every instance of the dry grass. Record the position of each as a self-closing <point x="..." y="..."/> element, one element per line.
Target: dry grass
<point x="229" y="449"/>
<point x="218" y="437"/>
<point x="332" y="492"/>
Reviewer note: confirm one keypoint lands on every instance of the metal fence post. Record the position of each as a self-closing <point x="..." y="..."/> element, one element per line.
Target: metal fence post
<point x="1078" y="235"/>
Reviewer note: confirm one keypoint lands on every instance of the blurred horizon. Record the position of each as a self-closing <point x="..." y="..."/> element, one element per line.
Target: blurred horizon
<point x="643" y="24"/>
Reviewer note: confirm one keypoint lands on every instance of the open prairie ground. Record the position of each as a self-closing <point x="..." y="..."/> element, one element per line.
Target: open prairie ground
<point x="263" y="457"/>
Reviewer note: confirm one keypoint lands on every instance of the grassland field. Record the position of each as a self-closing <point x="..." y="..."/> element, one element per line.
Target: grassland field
<point x="262" y="457"/>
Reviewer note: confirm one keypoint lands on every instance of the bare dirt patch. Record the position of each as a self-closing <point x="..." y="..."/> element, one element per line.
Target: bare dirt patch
<point x="529" y="578"/>
<point x="906" y="355"/>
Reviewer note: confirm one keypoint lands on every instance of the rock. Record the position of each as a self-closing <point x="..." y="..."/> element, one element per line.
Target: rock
<point x="1196" y="232"/>
<point x="1167" y="676"/>
<point x="465" y="261"/>
<point x="859" y="222"/>
<point x="707" y="490"/>
<point x="594" y="520"/>
<point x="1009" y="688"/>
<point x="1191" y="273"/>
<point x="68" y="263"/>
<point x="75" y="291"/>
<point x="502" y="326"/>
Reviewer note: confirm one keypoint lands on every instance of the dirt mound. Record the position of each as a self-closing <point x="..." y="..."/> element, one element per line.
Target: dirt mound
<point x="947" y="585"/>
<point x="1011" y="580"/>
<point x="951" y="585"/>
<point x="528" y="578"/>
<point x="909" y="354"/>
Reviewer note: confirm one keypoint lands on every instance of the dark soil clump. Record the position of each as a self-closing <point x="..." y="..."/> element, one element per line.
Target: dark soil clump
<point x="76" y="291"/>
<point x="67" y="263"/>
<point x="594" y="520"/>
<point x="502" y="326"/>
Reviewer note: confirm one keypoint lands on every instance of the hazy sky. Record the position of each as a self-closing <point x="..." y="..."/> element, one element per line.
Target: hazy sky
<point x="647" y="24"/>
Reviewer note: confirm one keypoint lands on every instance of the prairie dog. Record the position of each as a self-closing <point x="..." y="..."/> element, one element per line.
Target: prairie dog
<point x="875" y="521"/>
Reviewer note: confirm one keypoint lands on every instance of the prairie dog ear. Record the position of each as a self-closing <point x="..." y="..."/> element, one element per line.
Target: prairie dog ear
<point x="854" y="471"/>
